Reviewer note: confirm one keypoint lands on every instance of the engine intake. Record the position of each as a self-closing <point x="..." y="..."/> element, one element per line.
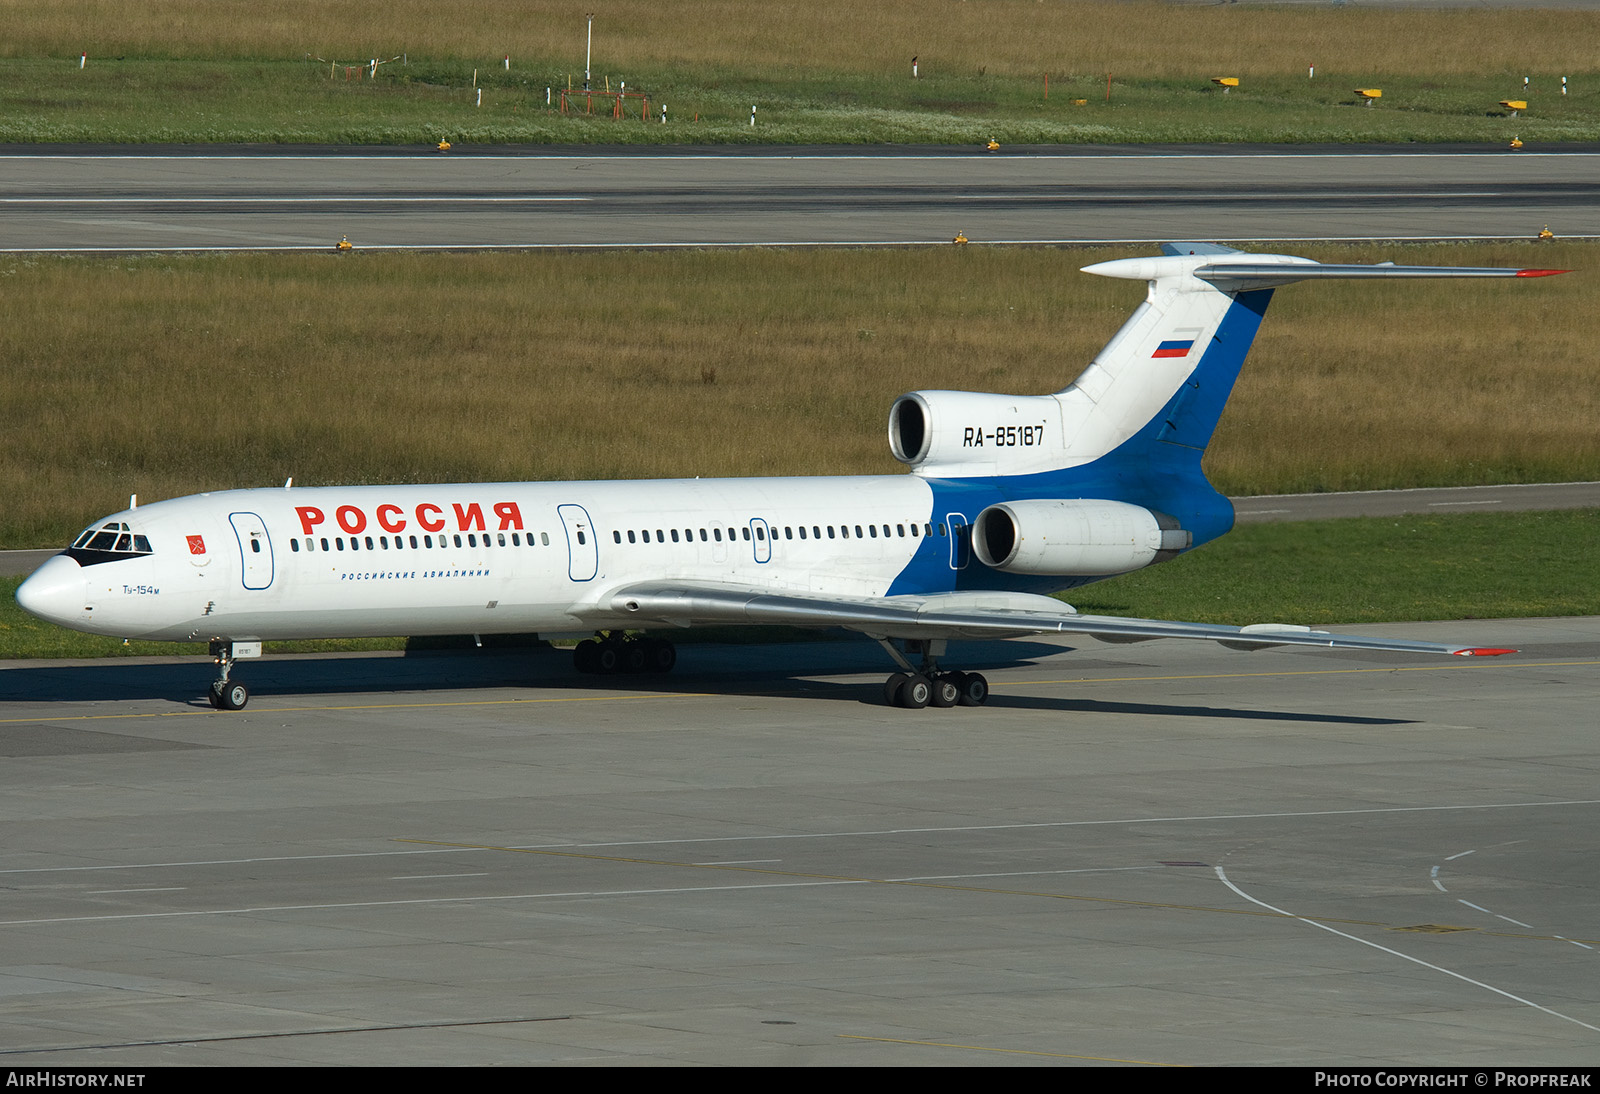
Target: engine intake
<point x="1077" y="538"/>
<point x="972" y="433"/>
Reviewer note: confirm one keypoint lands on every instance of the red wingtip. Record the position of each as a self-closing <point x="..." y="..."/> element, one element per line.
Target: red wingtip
<point x="1482" y="651"/>
<point x="1540" y="273"/>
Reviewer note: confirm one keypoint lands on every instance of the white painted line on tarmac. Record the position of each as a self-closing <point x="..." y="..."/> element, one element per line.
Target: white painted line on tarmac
<point x="432" y="877"/>
<point x="1223" y="877"/>
<point x="858" y="834"/>
<point x="565" y="894"/>
<point x="116" y="892"/>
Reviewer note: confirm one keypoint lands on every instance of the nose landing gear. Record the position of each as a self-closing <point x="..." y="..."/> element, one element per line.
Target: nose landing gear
<point x="227" y="694"/>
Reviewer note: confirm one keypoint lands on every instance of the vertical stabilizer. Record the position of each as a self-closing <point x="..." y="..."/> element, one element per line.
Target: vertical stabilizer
<point x="1173" y="363"/>
<point x="1137" y="420"/>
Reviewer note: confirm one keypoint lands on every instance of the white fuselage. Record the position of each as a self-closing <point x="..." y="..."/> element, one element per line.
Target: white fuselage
<point x="487" y="558"/>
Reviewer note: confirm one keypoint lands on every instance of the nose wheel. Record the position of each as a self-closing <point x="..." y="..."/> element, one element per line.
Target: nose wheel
<point x="226" y="694"/>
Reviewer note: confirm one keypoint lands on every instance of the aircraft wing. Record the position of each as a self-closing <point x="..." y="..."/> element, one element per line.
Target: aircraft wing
<point x="962" y="615"/>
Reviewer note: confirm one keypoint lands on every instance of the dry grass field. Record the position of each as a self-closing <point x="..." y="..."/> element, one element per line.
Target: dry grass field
<point x="1002" y="37"/>
<point x="164" y="376"/>
<point x="289" y="71"/>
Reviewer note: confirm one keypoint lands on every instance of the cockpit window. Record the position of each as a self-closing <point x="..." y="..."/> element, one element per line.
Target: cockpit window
<point x="112" y="541"/>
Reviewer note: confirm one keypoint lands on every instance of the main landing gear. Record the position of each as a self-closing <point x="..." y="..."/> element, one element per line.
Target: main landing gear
<point x="616" y="653"/>
<point x="226" y="694"/>
<point x="926" y="685"/>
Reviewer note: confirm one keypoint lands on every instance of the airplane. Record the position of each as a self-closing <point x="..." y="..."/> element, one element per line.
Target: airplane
<point x="1008" y="498"/>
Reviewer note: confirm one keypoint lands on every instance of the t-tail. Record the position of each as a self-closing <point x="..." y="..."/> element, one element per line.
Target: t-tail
<point x="1131" y="429"/>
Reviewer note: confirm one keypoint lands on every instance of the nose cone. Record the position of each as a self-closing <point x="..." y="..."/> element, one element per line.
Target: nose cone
<point x="55" y="592"/>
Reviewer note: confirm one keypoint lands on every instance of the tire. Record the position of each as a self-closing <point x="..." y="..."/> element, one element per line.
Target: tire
<point x="974" y="690"/>
<point x="214" y="694"/>
<point x="635" y="657"/>
<point x="662" y="655"/>
<point x="946" y="691"/>
<point x="607" y="658"/>
<point x="234" y="697"/>
<point x="916" y="692"/>
<point x="585" y="656"/>
<point x="891" y="688"/>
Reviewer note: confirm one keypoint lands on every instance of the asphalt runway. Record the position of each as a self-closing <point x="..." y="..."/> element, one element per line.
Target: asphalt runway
<point x="263" y="198"/>
<point x="1155" y="854"/>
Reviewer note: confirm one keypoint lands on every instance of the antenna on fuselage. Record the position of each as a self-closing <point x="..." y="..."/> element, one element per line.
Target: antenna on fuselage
<point x="133" y="501"/>
<point x="288" y="482"/>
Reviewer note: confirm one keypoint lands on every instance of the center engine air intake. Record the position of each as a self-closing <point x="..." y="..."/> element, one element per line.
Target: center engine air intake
<point x="973" y="433"/>
<point x="1079" y="538"/>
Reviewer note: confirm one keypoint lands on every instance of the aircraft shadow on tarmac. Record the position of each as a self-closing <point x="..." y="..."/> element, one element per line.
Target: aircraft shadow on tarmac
<point x="752" y="670"/>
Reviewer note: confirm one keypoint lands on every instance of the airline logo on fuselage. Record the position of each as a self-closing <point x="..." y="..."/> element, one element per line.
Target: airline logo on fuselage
<point x="426" y="517"/>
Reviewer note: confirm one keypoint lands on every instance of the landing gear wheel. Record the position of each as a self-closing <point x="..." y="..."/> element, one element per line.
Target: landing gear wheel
<point x="916" y="692"/>
<point x="635" y="657"/>
<point x="585" y="656"/>
<point x="233" y="697"/>
<point x="946" y="690"/>
<point x="660" y="655"/>
<point x="214" y="694"/>
<point x="891" y="688"/>
<point x="607" y="658"/>
<point x="974" y="690"/>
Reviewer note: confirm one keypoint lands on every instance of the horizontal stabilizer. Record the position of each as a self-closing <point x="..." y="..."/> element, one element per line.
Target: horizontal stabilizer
<point x="1235" y="271"/>
<point x="1254" y="274"/>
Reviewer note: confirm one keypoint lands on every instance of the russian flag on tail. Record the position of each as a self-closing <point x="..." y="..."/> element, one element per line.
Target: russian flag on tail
<point x="1174" y="347"/>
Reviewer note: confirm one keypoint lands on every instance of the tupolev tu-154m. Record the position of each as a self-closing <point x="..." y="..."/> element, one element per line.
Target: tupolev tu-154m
<point x="1008" y="498"/>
